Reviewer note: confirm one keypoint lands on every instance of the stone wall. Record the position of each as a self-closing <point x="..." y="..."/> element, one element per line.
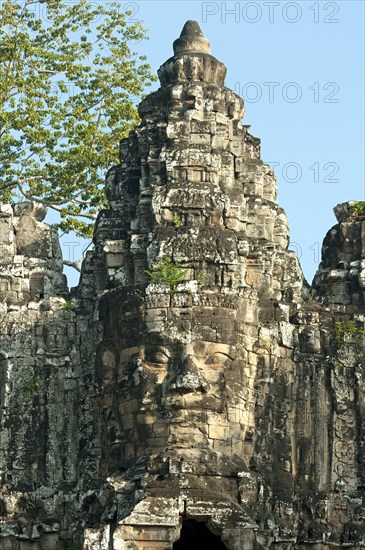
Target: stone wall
<point x="38" y="375"/>
<point x="194" y="380"/>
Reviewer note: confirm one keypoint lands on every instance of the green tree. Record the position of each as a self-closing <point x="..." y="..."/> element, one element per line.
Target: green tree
<point x="69" y="81"/>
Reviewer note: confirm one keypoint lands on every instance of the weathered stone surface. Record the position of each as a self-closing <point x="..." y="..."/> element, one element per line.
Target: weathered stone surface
<point x="195" y="377"/>
<point x="191" y="40"/>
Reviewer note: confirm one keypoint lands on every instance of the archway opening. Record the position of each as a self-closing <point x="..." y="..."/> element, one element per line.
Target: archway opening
<point x="195" y="535"/>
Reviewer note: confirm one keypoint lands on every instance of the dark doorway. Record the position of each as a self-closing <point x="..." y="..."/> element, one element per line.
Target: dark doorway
<point x="195" y="535"/>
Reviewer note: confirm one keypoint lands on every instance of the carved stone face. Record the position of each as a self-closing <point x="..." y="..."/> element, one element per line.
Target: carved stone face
<point x="173" y="397"/>
<point x="181" y="376"/>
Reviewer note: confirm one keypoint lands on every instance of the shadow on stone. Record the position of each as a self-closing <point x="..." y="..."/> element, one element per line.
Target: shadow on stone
<point x="196" y="535"/>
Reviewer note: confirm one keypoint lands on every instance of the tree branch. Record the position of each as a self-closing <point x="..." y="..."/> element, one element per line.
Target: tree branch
<point x="35" y="199"/>
<point x="72" y="264"/>
<point x="11" y="184"/>
<point x="50" y="204"/>
<point x="81" y="215"/>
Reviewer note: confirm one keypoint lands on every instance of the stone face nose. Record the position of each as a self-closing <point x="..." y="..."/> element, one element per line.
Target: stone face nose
<point x="188" y="378"/>
<point x="191" y="40"/>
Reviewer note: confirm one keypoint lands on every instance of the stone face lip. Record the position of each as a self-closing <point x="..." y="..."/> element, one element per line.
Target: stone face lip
<point x="191" y="40"/>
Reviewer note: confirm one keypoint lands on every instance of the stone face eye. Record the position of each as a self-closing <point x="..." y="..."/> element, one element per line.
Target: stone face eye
<point x="218" y="359"/>
<point x="157" y="356"/>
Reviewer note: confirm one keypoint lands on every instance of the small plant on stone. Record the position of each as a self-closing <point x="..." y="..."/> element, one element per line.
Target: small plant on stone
<point x="31" y="385"/>
<point x="310" y="295"/>
<point x="201" y="277"/>
<point x="177" y="221"/>
<point x="357" y="209"/>
<point x="350" y="327"/>
<point x="69" y="306"/>
<point x="168" y="272"/>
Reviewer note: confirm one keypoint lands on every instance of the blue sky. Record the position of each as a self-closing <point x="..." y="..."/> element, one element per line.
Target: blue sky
<point x="300" y="68"/>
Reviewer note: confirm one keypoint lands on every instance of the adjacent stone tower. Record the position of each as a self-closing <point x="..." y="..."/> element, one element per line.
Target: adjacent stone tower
<point x="207" y="397"/>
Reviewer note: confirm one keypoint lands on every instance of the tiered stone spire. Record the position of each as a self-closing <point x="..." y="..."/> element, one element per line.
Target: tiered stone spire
<point x="195" y="389"/>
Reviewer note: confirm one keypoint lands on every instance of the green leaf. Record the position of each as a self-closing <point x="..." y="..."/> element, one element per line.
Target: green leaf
<point x="66" y="101"/>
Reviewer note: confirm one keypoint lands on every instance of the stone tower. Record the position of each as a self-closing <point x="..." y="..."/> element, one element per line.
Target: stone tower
<point x="195" y="392"/>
